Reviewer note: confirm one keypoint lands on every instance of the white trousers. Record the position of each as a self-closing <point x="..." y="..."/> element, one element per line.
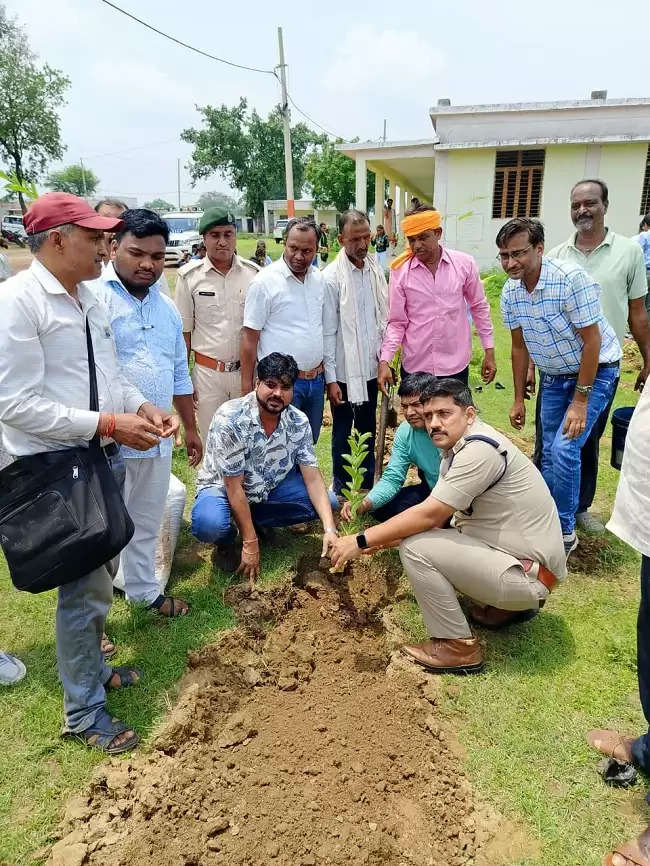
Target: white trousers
<point x="145" y="494"/>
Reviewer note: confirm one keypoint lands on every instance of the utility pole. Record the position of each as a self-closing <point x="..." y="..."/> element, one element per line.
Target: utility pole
<point x="178" y="180"/>
<point x="288" y="161"/>
<point x="384" y="138"/>
<point x="83" y="176"/>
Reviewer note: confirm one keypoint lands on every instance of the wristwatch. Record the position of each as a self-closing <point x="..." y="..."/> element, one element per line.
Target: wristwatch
<point x="584" y="389"/>
<point x="362" y="544"/>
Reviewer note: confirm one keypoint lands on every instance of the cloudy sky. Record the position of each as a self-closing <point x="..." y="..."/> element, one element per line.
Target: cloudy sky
<point x="132" y="91"/>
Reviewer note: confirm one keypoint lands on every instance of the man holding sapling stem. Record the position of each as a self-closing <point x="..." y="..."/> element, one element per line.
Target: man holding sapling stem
<point x="503" y="548"/>
<point x="259" y="471"/>
<point x="411" y="447"/>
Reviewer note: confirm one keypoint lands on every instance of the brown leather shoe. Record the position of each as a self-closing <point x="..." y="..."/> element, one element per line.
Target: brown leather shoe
<point x="447" y="655"/>
<point x="496" y="618"/>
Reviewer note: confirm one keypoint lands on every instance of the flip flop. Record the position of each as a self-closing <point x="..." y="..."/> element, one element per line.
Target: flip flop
<point x="100" y="735"/>
<point x="632" y="853"/>
<point x="173" y="612"/>
<point x="607" y="742"/>
<point x="128" y="677"/>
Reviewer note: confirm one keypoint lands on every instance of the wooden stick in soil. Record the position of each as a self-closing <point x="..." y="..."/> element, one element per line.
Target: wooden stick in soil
<point x="381" y="436"/>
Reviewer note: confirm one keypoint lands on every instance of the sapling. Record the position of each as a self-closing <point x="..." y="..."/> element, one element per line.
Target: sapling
<point x="353" y="491"/>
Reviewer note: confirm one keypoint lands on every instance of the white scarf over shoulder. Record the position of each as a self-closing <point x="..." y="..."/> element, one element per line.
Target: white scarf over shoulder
<point x="356" y="372"/>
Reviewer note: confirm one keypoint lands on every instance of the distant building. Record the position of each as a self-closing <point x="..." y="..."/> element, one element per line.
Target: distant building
<point x="275" y="209"/>
<point x="488" y="163"/>
<point x="129" y="200"/>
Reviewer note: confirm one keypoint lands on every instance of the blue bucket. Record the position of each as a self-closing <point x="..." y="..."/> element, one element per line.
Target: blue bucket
<point x="620" y="422"/>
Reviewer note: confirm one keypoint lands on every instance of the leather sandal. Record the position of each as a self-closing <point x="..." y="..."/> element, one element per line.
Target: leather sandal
<point x="607" y="742"/>
<point x="173" y="611"/>
<point x="632" y="853"/>
<point x="128" y="677"/>
<point x="101" y="734"/>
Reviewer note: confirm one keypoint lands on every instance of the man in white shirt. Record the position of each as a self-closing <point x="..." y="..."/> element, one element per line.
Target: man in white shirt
<point x="354" y="319"/>
<point x="284" y="313"/>
<point x="44" y="406"/>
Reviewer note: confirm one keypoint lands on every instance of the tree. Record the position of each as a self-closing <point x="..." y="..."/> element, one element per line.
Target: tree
<point x="331" y="175"/>
<point x="220" y="199"/>
<point x="159" y="204"/>
<point x="29" y="99"/>
<point x="248" y="151"/>
<point x="76" y="179"/>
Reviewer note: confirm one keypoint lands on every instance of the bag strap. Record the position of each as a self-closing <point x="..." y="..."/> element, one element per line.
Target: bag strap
<point x="92" y="375"/>
<point x="477" y="437"/>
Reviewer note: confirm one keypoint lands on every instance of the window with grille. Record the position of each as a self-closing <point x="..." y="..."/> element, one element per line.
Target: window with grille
<point x="645" y="194"/>
<point x="518" y="178"/>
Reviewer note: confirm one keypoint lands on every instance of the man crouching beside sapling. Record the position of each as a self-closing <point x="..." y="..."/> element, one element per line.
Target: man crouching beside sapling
<point x="503" y="550"/>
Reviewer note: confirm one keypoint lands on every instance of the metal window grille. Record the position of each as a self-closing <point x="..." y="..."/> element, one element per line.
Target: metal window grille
<point x="645" y="193"/>
<point x="518" y="176"/>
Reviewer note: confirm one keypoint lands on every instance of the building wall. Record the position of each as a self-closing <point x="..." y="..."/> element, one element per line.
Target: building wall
<point x="464" y="183"/>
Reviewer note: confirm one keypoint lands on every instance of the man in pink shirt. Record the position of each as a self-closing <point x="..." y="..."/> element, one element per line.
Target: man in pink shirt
<point x="431" y="289"/>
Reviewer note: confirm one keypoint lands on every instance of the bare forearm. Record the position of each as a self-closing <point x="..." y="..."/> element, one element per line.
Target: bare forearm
<point x="520" y="360"/>
<point x="249" y="343"/>
<point x="640" y="330"/>
<point x="589" y="361"/>
<point x="187" y="336"/>
<point x="184" y="405"/>
<point x="429" y="514"/>
<point x="319" y="498"/>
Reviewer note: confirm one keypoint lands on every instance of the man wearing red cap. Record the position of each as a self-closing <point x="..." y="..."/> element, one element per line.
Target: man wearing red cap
<point x="44" y="397"/>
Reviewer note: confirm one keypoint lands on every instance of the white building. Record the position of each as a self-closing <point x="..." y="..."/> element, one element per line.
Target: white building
<point x="488" y="163"/>
<point x="275" y="209"/>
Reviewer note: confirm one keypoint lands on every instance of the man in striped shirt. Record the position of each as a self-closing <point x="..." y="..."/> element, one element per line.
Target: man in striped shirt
<point x="554" y="315"/>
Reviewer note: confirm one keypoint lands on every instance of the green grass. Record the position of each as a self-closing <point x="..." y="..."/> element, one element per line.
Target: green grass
<point x="522" y="722"/>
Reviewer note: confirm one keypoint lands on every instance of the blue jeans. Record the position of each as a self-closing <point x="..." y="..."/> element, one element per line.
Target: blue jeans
<point x="561" y="456"/>
<point x="80" y="618"/>
<point x="641" y="747"/>
<point x="288" y="504"/>
<point x="309" y="397"/>
<point x="364" y="418"/>
<point x="407" y="497"/>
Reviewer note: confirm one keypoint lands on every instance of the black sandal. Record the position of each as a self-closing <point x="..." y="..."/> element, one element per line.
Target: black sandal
<point x="102" y="733"/>
<point x="127" y="677"/>
<point x="158" y="603"/>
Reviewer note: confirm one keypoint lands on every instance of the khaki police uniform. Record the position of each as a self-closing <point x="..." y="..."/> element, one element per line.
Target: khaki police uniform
<point x="211" y="305"/>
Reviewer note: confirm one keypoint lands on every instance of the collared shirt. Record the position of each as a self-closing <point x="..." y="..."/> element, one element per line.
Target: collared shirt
<point x="410" y="447"/>
<point x="288" y="313"/>
<point x="237" y="445"/>
<point x="517" y="514"/>
<point x="617" y="265"/>
<point x="211" y="305"/>
<point x="44" y="376"/>
<point x="644" y="241"/>
<point x="428" y="315"/>
<point x="333" y="348"/>
<point x="564" y="299"/>
<point x="150" y="347"/>
<point x="629" y="520"/>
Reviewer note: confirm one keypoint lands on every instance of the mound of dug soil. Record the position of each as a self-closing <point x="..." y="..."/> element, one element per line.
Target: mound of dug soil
<point x="303" y="745"/>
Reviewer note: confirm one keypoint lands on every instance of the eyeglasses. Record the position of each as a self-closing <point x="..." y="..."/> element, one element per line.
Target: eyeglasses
<point x="515" y="254"/>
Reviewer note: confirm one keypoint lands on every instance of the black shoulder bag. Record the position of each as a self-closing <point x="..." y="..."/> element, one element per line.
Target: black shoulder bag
<point x="61" y="512"/>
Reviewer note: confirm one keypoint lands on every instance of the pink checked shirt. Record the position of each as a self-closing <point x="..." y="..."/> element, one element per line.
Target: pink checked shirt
<point x="428" y="315"/>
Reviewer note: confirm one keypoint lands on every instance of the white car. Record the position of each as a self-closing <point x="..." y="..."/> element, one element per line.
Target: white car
<point x="14" y="223"/>
<point x="279" y="229"/>
<point x="183" y="234"/>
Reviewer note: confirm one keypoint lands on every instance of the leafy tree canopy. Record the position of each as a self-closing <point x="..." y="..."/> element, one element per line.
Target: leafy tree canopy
<point x="331" y="175"/>
<point x="71" y="179"/>
<point x="159" y="204"/>
<point x="220" y="199"/>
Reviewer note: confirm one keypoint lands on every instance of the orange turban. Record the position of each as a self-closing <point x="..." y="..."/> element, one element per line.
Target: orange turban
<point x="415" y="224"/>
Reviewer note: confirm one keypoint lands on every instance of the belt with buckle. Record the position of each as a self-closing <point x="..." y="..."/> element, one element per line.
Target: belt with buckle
<point x="215" y="364"/>
<point x="544" y="576"/>
<point x="310" y="374"/>
<point x="606" y="365"/>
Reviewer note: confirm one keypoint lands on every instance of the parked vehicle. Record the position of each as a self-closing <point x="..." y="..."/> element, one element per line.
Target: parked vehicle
<point x="183" y="233"/>
<point x="14" y="238"/>
<point x="279" y="229"/>
<point x="13" y="223"/>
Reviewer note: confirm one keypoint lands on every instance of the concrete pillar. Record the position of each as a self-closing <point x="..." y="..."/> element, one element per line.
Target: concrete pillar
<point x="391" y="192"/>
<point x="403" y="204"/>
<point x="379" y="199"/>
<point x="267" y="220"/>
<point x="360" y="187"/>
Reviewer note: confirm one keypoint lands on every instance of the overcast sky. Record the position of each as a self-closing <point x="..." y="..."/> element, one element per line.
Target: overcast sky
<point x="132" y="91"/>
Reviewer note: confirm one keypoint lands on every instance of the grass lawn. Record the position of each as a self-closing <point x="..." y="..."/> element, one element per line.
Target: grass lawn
<point x="521" y="722"/>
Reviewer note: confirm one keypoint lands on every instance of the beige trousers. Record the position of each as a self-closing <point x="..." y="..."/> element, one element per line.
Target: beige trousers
<point x="214" y="388"/>
<point x="443" y="561"/>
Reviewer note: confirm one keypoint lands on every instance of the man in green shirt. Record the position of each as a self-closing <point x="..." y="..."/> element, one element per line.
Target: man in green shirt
<point x="617" y="264"/>
<point x="411" y="446"/>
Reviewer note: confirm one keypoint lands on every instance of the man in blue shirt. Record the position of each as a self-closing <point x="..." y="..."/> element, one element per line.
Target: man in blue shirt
<point x="412" y="446"/>
<point x="152" y="353"/>
<point x="552" y="309"/>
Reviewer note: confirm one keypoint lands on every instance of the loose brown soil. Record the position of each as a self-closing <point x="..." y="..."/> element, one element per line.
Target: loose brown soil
<point x="308" y="742"/>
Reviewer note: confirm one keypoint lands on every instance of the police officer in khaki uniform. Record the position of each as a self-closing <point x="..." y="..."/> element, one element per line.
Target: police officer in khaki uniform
<point x="210" y="296"/>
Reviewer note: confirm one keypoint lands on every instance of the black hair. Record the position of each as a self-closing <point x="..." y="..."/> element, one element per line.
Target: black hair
<point x="513" y="227"/>
<point x="454" y="388"/>
<point x="278" y="366"/>
<point x="644" y="222"/>
<point x="352" y="215"/>
<point x="142" y="223"/>
<point x="413" y="384"/>
<point x="420" y="208"/>
<point x="112" y="202"/>
<point x="303" y="224"/>
<point x="604" y="191"/>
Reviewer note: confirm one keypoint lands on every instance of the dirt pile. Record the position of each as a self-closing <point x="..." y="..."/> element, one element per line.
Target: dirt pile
<point x="306" y="744"/>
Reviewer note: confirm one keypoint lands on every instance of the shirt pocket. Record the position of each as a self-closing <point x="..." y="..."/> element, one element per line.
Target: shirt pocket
<point x="208" y="307"/>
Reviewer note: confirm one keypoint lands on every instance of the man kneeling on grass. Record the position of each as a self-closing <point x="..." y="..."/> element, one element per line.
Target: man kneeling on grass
<point x="503" y="548"/>
<point x="260" y="469"/>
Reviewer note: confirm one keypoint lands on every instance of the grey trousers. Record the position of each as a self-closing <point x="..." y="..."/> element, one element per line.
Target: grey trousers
<point x="440" y="562"/>
<point x="80" y="617"/>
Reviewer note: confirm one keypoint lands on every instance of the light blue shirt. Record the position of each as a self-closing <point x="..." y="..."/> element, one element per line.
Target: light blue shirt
<point x="644" y="240"/>
<point x="150" y="347"/>
<point x="565" y="299"/>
